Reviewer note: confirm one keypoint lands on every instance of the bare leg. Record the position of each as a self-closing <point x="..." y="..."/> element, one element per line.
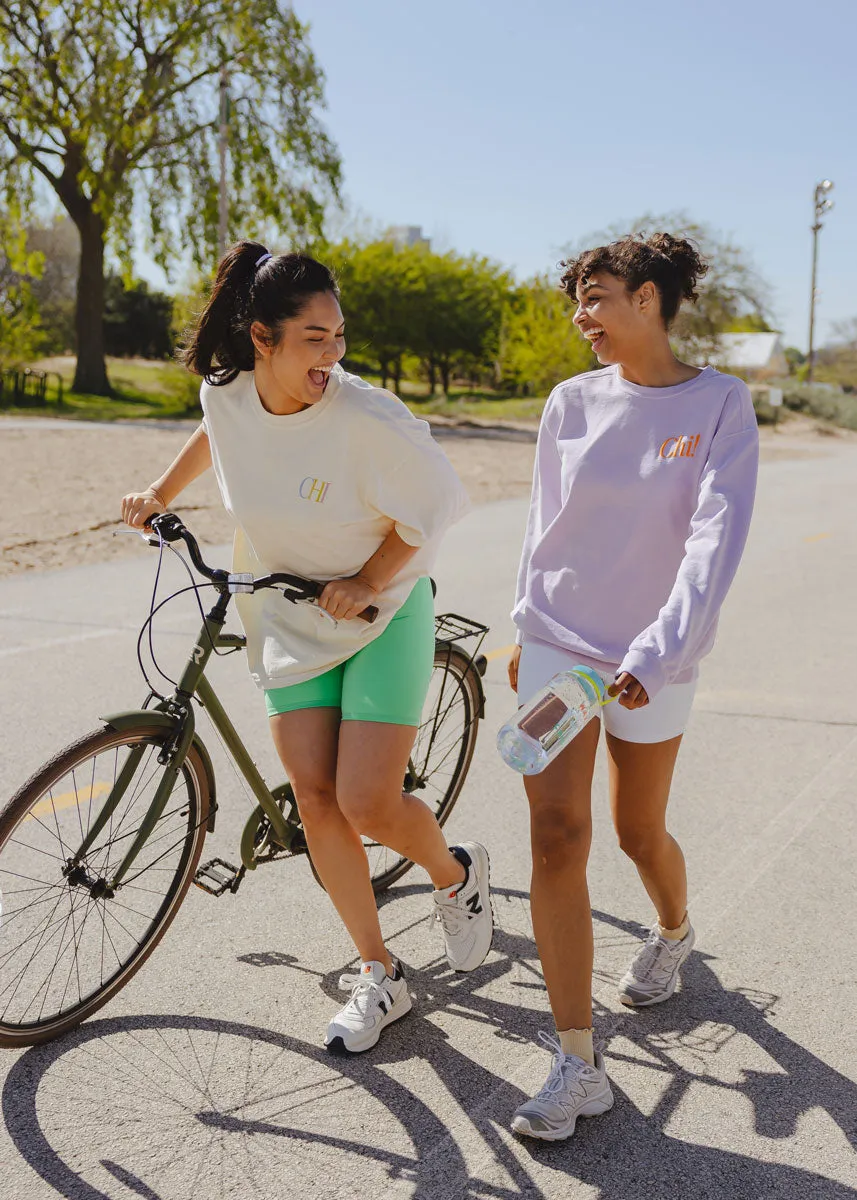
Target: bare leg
<point x="308" y="743"/>
<point x="372" y="761"/>
<point x="640" y="779"/>
<point x="561" y="831"/>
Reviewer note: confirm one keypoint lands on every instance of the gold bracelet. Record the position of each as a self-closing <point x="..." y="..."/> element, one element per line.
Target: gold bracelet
<point x="158" y="497"/>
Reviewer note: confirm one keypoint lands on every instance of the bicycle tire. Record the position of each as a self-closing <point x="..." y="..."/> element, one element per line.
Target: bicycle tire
<point x="190" y="830"/>
<point x="454" y="662"/>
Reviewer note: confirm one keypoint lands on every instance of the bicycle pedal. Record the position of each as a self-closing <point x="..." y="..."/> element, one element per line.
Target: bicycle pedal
<point x="218" y="876"/>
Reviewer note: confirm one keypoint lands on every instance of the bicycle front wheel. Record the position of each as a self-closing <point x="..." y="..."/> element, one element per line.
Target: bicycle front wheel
<point x="66" y="943"/>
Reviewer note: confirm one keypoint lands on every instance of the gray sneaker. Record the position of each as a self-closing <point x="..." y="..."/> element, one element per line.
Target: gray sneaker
<point x="653" y="975"/>
<point x="573" y="1089"/>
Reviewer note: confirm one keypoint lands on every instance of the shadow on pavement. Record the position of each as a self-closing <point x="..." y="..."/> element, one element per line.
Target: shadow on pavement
<point x="175" y="1107"/>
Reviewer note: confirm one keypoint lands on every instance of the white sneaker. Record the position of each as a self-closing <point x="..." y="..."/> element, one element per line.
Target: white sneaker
<point x="573" y="1089"/>
<point x="464" y="912"/>
<point x="653" y="974"/>
<point x="376" y="1001"/>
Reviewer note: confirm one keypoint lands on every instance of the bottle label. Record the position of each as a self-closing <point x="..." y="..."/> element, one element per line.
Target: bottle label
<point x="546" y="715"/>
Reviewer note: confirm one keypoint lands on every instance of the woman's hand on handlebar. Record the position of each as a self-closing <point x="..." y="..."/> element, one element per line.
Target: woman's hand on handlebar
<point x="345" y="599"/>
<point x="138" y="508"/>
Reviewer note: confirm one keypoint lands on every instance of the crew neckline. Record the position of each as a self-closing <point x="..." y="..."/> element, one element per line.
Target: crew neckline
<point x="663" y="393"/>
<point x="304" y="416"/>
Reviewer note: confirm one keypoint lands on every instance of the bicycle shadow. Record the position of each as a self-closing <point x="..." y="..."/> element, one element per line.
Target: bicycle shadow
<point x="697" y="1024"/>
<point x="287" y="1104"/>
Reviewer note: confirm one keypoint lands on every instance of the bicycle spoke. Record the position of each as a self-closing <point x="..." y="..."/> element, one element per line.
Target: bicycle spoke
<point x="56" y="956"/>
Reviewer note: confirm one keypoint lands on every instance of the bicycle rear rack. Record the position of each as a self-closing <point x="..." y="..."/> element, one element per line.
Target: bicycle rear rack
<point x="450" y="627"/>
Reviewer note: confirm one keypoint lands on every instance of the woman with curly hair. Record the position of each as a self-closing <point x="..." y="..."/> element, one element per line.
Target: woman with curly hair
<point x="642" y="496"/>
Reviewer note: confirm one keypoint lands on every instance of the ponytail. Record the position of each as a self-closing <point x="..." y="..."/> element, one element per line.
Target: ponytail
<point x="251" y="285"/>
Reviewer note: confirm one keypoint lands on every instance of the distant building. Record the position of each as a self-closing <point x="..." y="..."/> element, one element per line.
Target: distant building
<point x="754" y="355"/>
<point x="403" y="236"/>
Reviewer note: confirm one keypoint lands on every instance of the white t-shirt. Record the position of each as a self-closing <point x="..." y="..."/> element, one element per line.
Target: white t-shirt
<point x="316" y="493"/>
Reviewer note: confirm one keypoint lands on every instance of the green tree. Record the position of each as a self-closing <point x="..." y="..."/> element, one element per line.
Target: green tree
<point x="460" y="314"/>
<point x="732" y="291"/>
<point x="540" y="344"/>
<point x="21" y="336"/>
<point x="381" y="286"/>
<point x="114" y="106"/>
<point x="137" y="320"/>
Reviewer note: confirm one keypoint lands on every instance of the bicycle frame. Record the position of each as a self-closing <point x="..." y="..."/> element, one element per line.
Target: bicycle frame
<point x="176" y="715"/>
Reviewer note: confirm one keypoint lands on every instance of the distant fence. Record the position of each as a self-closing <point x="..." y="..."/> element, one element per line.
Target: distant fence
<point x="28" y="388"/>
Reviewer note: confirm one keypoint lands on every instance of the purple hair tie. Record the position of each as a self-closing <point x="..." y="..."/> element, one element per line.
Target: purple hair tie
<point x="264" y="258"/>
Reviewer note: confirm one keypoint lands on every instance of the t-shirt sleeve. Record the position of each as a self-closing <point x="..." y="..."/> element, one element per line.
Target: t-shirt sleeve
<point x="411" y="480"/>
<point x="718" y="533"/>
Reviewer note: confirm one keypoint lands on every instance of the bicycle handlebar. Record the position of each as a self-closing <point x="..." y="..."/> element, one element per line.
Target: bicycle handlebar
<point x="171" y="528"/>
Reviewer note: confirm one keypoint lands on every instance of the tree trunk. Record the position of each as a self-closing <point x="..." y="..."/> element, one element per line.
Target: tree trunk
<point x="432" y="376"/>
<point x="91" y="372"/>
<point x="397" y="376"/>
<point x="385" y="372"/>
<point x="444" y="376"/>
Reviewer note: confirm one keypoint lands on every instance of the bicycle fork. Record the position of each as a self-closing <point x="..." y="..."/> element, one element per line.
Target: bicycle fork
<point x="172" y="756"/>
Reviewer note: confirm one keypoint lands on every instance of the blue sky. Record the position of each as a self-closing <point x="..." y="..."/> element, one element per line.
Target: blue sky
<point x="513" y="127"/>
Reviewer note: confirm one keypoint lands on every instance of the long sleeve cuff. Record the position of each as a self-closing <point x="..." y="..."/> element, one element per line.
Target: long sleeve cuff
<point x="647" y="669"/>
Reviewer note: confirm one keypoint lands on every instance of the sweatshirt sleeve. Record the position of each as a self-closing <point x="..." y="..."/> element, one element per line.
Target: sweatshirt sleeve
<point x="545" y="503"/>
<point x="413" y="482"/>
<point x="718" y="532"/>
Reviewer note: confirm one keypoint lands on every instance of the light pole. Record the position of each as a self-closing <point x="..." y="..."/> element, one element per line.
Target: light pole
<point x="821" y="205"/>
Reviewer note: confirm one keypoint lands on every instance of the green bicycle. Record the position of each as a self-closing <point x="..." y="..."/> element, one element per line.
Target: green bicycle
<point x="99" y="848"/>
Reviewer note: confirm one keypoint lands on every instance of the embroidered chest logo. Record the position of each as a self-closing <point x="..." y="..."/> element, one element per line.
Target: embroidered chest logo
<point x="313" y="489"/>
<point x="683" y="446"/>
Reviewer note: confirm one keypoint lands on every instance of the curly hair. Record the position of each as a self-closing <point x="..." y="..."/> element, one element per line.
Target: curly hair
<point x="672" y="264"/>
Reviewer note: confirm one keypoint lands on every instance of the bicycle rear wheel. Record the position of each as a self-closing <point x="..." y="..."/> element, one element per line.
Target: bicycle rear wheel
<point x="66" y="947"/>
<point x="442" y="753"/>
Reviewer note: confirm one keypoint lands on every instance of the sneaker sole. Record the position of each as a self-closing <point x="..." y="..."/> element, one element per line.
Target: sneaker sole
<point x="337" y="1045"/>
<point x="595" y="1109"/>
<point x="480" y="856"/>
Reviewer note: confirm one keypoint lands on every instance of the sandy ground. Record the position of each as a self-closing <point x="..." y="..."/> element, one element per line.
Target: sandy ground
<point x="61" y="481"/>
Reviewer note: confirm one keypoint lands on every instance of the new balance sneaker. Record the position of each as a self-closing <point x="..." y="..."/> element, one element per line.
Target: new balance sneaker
<point x="376" y="1001"/>
<point x="653" y="975"/>
<point x="464" y="911"/>
<point x="573" y="1089"/>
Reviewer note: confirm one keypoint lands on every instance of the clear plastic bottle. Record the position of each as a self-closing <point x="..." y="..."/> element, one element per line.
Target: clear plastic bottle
<point x="545" y="725"/>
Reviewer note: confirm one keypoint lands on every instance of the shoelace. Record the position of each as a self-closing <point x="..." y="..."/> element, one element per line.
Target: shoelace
<point x="451" y="918"/>
<point x="365" y="990"/>
<point x="559" y="1080"/>
<point x="651" y="958"/>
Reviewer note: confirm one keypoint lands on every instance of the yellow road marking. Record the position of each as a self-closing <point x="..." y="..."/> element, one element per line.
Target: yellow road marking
<point x="503" y="650"/>
<point x="818" y="537"/>
<point x="68" y="799"/>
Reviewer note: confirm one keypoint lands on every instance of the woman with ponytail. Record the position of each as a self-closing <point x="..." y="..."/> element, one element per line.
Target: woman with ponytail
<point x="642" y="496"/>
<point x="333" y="479"/>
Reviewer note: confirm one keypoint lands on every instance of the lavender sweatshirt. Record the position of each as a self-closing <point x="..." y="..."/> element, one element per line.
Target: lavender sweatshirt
<point x="641" y="503"/>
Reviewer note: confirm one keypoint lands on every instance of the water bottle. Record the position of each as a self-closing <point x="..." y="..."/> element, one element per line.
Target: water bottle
<point x="547" y="723"/>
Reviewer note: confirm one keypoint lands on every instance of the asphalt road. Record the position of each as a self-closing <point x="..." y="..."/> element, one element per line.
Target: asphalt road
<point x="205" y="1077"/>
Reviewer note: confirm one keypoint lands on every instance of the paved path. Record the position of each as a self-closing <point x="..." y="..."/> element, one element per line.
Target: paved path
<point x="204" y="1078"/>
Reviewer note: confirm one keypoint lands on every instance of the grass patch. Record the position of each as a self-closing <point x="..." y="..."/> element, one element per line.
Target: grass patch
<point x="143" y="389"/>
<point x="164" y="390"/>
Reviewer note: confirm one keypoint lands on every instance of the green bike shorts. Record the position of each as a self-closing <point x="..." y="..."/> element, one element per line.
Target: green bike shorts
<point x="386" y="682"/>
